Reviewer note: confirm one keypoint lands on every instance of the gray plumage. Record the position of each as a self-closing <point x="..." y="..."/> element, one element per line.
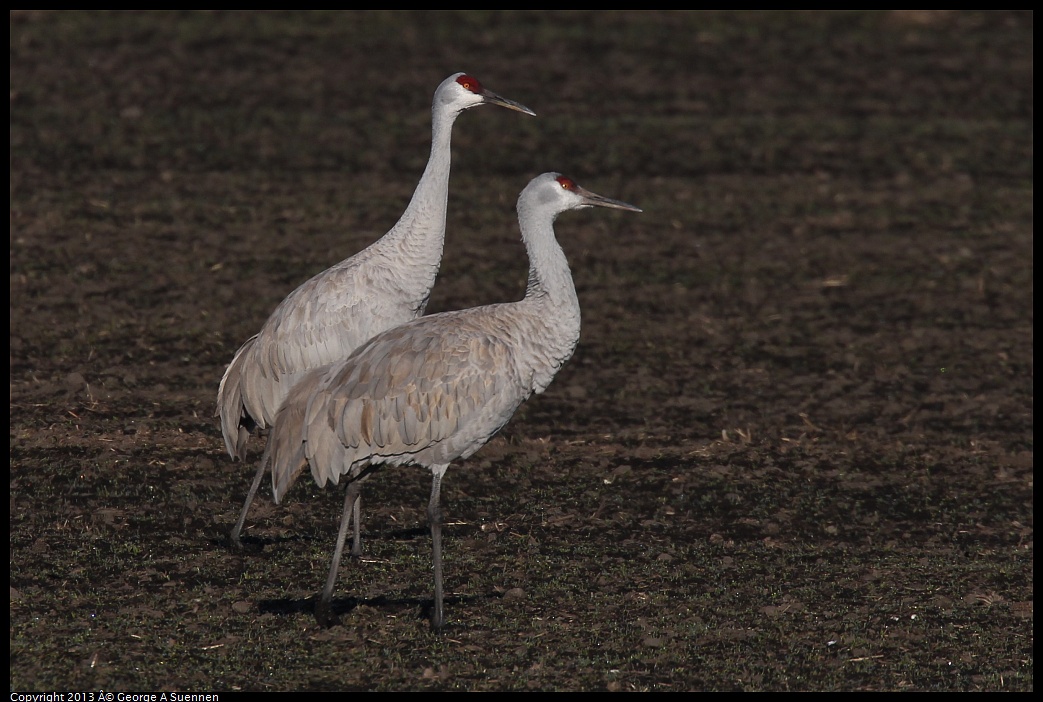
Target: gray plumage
<point x="330" y="315"/>
<point x="437" y="388"/>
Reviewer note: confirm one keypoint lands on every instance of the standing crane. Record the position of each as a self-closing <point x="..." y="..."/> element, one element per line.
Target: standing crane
<point x="330" y="315"/>
<point x="438" y="388"/>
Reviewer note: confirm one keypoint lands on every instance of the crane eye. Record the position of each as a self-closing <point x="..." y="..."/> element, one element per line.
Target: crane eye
<point x="566" y="183"/>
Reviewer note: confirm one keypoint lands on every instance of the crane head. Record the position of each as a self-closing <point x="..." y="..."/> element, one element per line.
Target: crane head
<point x="562" y="193"/>
<point x="462" y="91"/>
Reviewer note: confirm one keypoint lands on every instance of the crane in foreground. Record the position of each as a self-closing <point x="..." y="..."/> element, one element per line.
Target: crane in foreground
<point x="333" y="313"/>
<point x="435" y="389"/>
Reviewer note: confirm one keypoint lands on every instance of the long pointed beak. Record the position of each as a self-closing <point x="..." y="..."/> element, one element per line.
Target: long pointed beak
<point x="494" y="99"/>
<point x="593" y="199"/>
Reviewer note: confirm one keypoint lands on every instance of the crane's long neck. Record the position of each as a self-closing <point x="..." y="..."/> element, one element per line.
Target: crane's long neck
<point x="550" y="291"/>
<point x="419" y="235"/>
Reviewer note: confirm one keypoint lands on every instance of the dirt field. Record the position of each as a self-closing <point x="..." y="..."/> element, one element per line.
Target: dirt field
<point x="793" y="450"/>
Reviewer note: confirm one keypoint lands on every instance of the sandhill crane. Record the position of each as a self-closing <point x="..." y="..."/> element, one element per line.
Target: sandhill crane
<point x="330" y="315"/>
<point x="438" y="388"/>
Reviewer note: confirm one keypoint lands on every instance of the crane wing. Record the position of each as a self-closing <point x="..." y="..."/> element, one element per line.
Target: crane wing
<point x="426" y="392"/>
<point x="321" y="322"/>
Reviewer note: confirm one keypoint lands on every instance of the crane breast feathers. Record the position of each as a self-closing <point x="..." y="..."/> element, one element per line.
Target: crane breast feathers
<point x="408" y="392"/>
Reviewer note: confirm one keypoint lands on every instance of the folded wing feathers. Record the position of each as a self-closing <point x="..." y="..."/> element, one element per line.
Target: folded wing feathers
<point x="230" y="404"/>
<point x="321" y="322"/>
<point x="396" y="399"/>
<point x="285" y="453"/>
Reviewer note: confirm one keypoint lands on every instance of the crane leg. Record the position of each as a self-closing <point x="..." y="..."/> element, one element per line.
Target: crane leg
<point x="323" y="609"/>
<point x="236" y="543"/>
<point x="356" y="541"/>
<point x="356" y="538"/>
<point x="434" y="516"/>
